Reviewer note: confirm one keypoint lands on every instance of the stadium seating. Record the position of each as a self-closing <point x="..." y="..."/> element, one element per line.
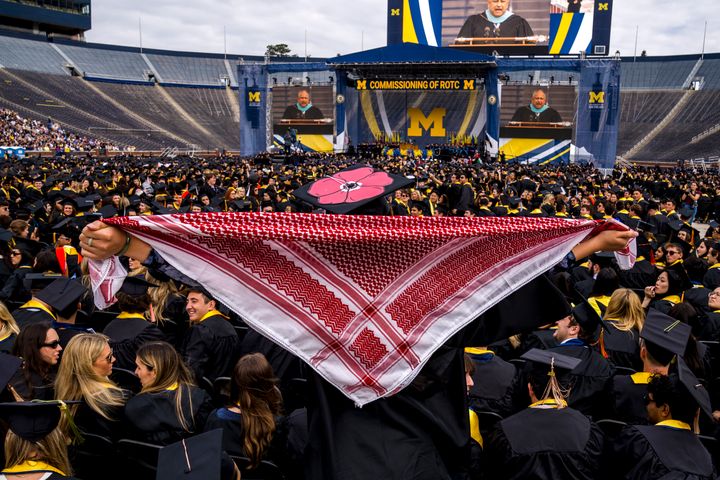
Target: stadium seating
<point x="640" y="112"/>
<point x="710" y="72"/>
<point x="107" y="63"/>
<point x="30" y="55"/>
<point x="189" y="69"/>
<point x="654" y="74"/>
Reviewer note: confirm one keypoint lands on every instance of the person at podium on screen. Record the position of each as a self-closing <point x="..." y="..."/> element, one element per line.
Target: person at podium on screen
<point x="496" y="21"/>
<point x="303" y="109"/>
<point x="538" y="110"/>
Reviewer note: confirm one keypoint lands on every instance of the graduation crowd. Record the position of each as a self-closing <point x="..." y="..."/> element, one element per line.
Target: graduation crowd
<point x="16" y="130"/>
<point x="618" y="383"/>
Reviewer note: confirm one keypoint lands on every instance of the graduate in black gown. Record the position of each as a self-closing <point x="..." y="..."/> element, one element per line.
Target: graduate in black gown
<point x="668" y="448"/>
<point x="547" y="440"/>
<point x="495" y="382"/>
<point x="211" y="346"/>
<point x="130" y="330"/>
<point x="169" y="407"/>
<point x="29" y="425"/>
<point x="35" y="310"/>
<point x="662" y="338"/>
<point x="495" y="21"/>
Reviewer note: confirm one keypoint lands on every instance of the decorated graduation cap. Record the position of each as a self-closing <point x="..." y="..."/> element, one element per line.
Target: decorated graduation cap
<point x="195" y="458"/>
<point x="696" y="389"/>
<point x="32" y="421"/>
<point x="135" y="286"/>
<point x="62" y="293"/>
<point x="667" y="334"/>
<point x="350" y="189"/>
<point x="542" y="364"/>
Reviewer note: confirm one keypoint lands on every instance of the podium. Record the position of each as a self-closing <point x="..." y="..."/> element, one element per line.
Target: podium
<point x="536" y="143"/>
<point x="534" y="45"/>
<point x="313" y="135"/>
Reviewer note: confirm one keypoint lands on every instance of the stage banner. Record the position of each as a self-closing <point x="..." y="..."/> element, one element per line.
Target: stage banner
<point x="421" y="117"/>
<point x="253" y="106"/>
<point x="598" y="113"/>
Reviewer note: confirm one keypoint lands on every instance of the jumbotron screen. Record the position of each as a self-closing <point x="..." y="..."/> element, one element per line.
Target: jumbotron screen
<point x="508" y="27"/>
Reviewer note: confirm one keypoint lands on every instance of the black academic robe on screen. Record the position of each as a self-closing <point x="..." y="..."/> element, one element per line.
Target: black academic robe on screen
<point x="525" y="114"/>
<point x="629" y="393"/>
<point x="545" y="444"/>
<point x="648" y="452"/>
<point x="211" y="348"/>
<point x="479" y="26"/>
<point x="127" y="335"/>
<point x="152" y="417"/>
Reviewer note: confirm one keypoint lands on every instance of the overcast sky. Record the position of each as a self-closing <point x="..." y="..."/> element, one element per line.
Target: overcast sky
<point x="341" y="26"/>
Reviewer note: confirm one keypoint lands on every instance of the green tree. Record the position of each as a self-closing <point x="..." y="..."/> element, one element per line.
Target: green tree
<point x="279" y="50"/>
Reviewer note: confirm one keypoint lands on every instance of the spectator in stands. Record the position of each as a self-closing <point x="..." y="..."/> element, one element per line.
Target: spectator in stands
<point x="303" y="109"/>
<point x="538" y="111"/>
<point x="497" y="21"/>
<point x="179" y="408"/>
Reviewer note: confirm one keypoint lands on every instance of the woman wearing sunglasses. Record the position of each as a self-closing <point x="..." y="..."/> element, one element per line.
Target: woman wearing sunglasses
<point x="84" y="375"/>
<point x="38" y="345"/>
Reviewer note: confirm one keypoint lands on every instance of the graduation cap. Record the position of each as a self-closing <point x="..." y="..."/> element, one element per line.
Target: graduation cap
<point x="195" y="458"/>
<point x="696" y="389"/>
<point x="686" y="212"/>
<point x="32" y="421"/>
<point x="30" y="246"/>
<point x="604" y="259"/>
<point x="683" y="279"/>
<point x="108" y="211"/>
<point x="665" y="332"/>
<point x="713" y="224"/>
<point x="135" y="286"/>
<point x="551" y="359"/>
<point x="588" y="319"/>
<point x="351" y="188"/>
<point x="62" y="293"/>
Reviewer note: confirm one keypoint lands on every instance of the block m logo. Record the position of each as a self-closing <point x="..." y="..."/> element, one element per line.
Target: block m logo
<point x="418" y="122"/>
<point x="254" y="97"/>
<point x="597" y="97"/>
<point x="468" y="84"/>
<point x="395" y="12"/>
<point x="361" y="85"/>
<point x="604" y="6"/>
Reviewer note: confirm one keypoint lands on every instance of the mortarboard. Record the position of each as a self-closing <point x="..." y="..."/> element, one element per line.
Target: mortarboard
<point x="61" y="293"/>
<point x="550" y="358"/>
<point x="38" y="281"/>
<point x="108" y="211"/>
<point x="135" y="286"/>
<point x="194" y="458"/>
<point x="32" y="247"/>
<point x="696" y="389"/>
<point x="686" y="212"/>
<point x="32" y="421"/>
<point x="666" y="332"/>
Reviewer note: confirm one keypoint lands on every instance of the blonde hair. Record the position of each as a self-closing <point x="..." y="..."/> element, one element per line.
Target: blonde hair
<point x="170" y="374"/>
<point x="160" y="295"/>
<point x="7" y="322"/>
<point x="625" y="309"/>
<point x="52" y="450"/>
<point x="77" y="379"/>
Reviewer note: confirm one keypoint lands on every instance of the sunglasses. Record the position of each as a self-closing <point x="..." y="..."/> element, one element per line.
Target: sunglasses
<point x="109" y="357"/>
<point x="16" y="253"/>
<point x="53" y="344"/>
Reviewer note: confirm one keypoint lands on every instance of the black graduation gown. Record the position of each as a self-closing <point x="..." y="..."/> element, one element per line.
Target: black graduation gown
<point x="629" y="392"/>
<point x="711" y="280"/>
<point x="38" y="388"/>
<point x="697" y="297"/>
<point x="312" y="113"/>
<point x="545" y="444"/>
<point x="211" y="348"/>
<point x="584" y="287"/>
<point x="622" y="348"/>
<point x="591" y="380"/>
<point x="127" y="335"/>
<point x="479" y="26"/>
<point x="14" y="288"/>
<point x="709" y="326"/>
<point x="89" y="421"/>
<point x="152" y="418"/>
<point x="231" y="423"/>
<point x="6" y="344"/>
<point x="495" y="384"/>
<point x="66" y="331"/>
<point x="650" y="452"/>
<point x="423" y="431"/>
<point x="525" y="114"/>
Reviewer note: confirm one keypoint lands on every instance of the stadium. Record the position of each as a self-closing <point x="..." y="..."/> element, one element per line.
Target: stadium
<point x="488" y="248"/>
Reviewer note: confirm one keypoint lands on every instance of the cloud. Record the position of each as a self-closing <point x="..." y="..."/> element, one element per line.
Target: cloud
<point x="337" y="26"/>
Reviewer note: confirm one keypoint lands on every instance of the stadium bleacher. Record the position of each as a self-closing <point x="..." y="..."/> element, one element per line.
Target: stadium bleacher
<point x="190" y="70"/>
<point x="650" y="73"/>
<point x="30" y="55"/>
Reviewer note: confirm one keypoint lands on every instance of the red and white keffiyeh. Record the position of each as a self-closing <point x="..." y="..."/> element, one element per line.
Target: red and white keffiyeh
<point x="364" y="300"/>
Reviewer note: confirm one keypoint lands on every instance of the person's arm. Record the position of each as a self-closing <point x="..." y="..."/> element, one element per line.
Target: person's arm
<point x="108" y="241"/>
<point x="608" y="241"/>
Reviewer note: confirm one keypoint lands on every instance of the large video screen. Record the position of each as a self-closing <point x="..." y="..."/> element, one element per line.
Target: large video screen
<point x="508" y="27"/>
<point x="303" y="116"/>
